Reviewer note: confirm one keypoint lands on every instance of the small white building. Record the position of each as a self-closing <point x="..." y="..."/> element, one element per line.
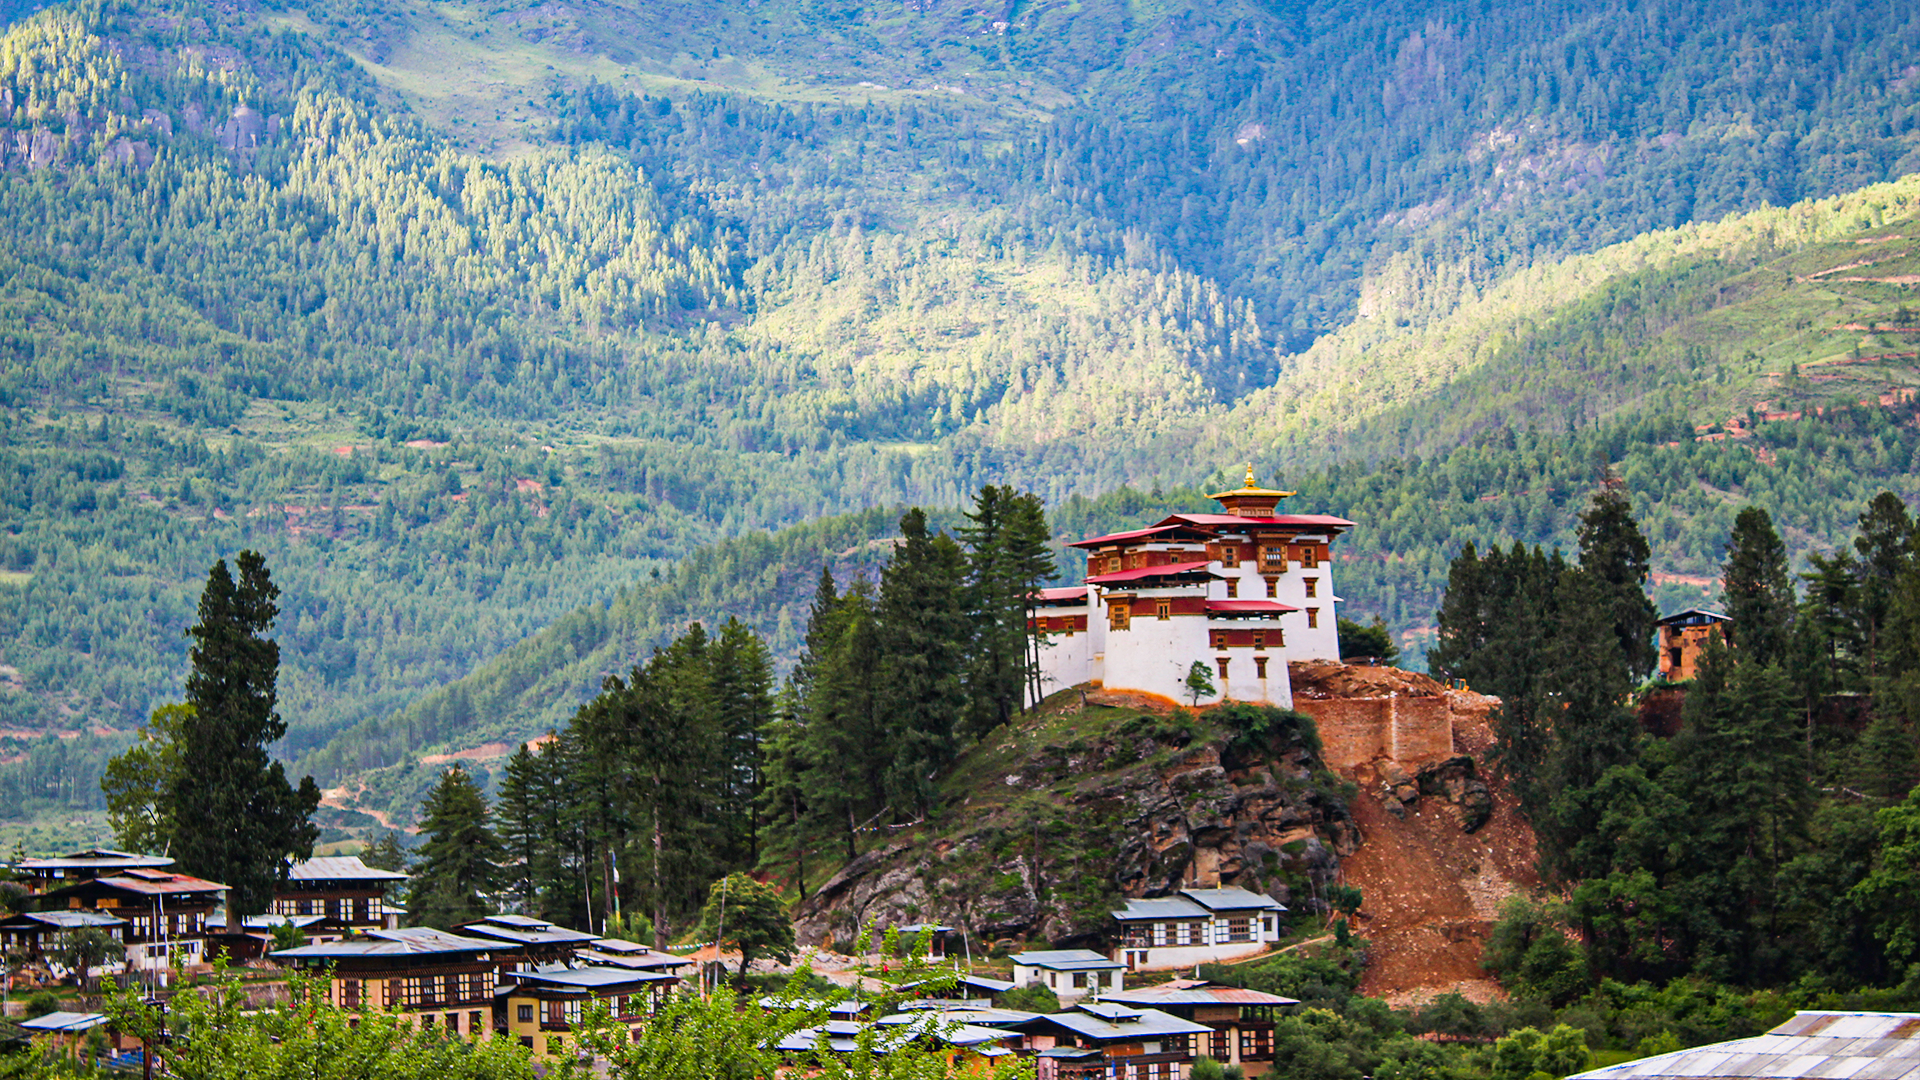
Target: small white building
<point x="1199" y="926"/>
<point x="1070" y="973"/>
<point x="1242" y="592"/>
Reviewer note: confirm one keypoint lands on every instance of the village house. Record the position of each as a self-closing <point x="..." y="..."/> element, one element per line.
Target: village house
<point x="43" y="875"/>
<point x="36" y="936"/>
<point x="1241" y="1020"/>
<point x="1069" y="973"/>
<point x="166" y="913"/>
<point x="67" y="1034"/>
<point x="542" y="1005"/>
<point x="1195" y="927"/>
<point x="252" y="937"/>
<point x="1683" y="641"/>
<point x="433" y="977"/>
<point x="956" y="1040"/>
<point x="349" y="895"/>
<point x="1243" y="592"/>
<point x="1106" y="1040"/>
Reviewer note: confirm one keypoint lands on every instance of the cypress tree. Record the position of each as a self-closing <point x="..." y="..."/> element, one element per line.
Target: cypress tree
<point x="1758" y="592"/>
<point x="235" y="817"/>
<point x="460" y="861"/>
<point x="1614" y="553"/>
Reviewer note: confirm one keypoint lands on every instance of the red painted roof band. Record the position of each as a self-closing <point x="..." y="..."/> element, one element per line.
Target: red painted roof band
<point x="1140" y="572"/>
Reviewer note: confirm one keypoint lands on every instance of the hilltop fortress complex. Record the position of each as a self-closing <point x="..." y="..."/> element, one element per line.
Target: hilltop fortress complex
<point x="1245" y="592"/>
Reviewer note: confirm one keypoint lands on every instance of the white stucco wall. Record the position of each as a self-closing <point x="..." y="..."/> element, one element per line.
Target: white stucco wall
<point x="1153" y="654"/>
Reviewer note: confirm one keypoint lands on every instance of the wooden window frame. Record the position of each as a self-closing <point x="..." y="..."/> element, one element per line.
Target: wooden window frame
<point x="1313" y="618"/>
<point x="1259" y="667"/>
<point x="1163" y="610"/>
<point x="1313" y="587"/>
<point x="1220" y="664"/>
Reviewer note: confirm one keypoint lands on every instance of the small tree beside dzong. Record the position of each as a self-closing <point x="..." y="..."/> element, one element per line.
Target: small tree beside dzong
<point x="1200" y="681"/>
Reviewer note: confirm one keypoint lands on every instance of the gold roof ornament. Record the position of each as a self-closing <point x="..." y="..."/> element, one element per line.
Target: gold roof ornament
<point x="1248" y="490"/>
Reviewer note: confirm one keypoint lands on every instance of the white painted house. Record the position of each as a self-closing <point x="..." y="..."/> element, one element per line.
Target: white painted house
<point x="1199" y="926"/>
<point x="1070" y="973"/>
<point x="1242" y="592"/>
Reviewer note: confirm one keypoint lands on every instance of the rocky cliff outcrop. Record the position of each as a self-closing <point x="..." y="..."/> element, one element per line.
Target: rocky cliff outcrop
<point x="1079" y="808"/>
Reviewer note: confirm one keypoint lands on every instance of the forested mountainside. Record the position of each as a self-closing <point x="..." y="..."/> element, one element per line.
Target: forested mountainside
<point x="464" y="354"/>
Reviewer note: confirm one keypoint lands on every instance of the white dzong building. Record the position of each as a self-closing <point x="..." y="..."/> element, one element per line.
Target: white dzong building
<point x="1243" y="591"/>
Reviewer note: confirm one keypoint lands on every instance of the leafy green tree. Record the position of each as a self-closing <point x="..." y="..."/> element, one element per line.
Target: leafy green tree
<point x="1886" y="895"/>
<point x="85" y="950"/>
<point x="749" y="916"/>
<point x="1759" y="594"/>
<point x="287" y="936"/>
<point x="219" y="1033"/>
<point x="1557" y="1053"/>
<point x="460" y="861"/>
<point x="137" y="780"/>
<point x="1199" y="682"/>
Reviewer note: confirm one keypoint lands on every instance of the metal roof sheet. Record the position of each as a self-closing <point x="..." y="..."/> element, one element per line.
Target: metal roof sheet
<point x="1135" y="534"/>
<point x="1151" y="1022"/>
<point x="1219" y="520"/>
<point x="151" y="884"/>
<point x="67" y="920"/>
<point x="1195" y="995"/>
<point x="588" y="978"/>
<point x="1232" y="899"/>
<point x="64" y="1021"/>
<point x="1066" y="960"/>
<point x="1170" y="907"/>
<point x="339" y="868"/>
<point x="94" y="859"/>
<point x="1824" y="1044"/>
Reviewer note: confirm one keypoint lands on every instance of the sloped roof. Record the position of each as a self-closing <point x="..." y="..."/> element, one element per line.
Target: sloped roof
<point x="414" y="941"/>
<point x="64" y="1021"/>
<point x="1248" y="607"/>
<point x="1066" y="960"/>
<point x="1140" y="573"/>
<point x="1232" y="899"/>
<point x="1190" y="993"/>
<point x="94" y="859"/>
<point x="520" y="930"/>
<point x="149" y="883"/>
<point x="1164" y="527"/>
<point x="339" y="868"/>
<point x="1149" y="1023"/>
<point x="66" y="920"/>
<point x="1857" y="1045"/>
<point x="1169" y="907"/>
<point x="588" y="979"/>
<point x="1062" y="596"/>
<point x="1693" y="615"/>
<point x="1317" y="521"/>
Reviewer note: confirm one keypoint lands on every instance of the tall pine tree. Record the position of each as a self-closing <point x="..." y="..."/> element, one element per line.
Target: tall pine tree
<point x="460" y="861"/>
<point x="1759" y="594"/>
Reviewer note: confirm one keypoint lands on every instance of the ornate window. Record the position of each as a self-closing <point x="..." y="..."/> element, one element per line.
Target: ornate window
<point x="1221" y="663"/>
<point x="1313" y="586"/>
<point x="1119" y="614"/>
<point x="1259" y="667"/>
<point x="1313" y="618"/>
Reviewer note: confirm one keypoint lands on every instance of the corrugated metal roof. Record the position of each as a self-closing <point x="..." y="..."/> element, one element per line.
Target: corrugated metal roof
<point x="587" y="978"/>
<point x="66" y="920"/>
<point x="158" y="885"/>
<point x="64" y="1021"/>
<point x="415" y="941"/>
<point x="1838" y="1045"/>
<point x="1231" y="899"/>
<point x="94" y="859"/>
<point x="1195" y="995"/>
<point x="1150" y="1023"/>
<point x="1066" y="960"/>
<point x="339" y="868"/>
<point x="1171" y="907"/>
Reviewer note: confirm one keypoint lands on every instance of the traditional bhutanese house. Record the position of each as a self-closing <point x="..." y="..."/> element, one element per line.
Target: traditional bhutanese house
<point x="349" y="894"/>
<point x="1069" y="973"/>
<point x="1241" y="1020"/>
<point x="1197" y="926"/>
<point x="528" y="941"/>
<point x="541" y="1006"/>
<point x="33" y="935"/>
<point x="45" y="875"/>
<point x="434" y="977"/>
<point x="65" y="1034"/>
<point x="1243" y="592"/>
<point x="253" y="937"/>
<point x="933" y="935"/>
<point x="1683" y="640"/>
<point x="609" y="952"/>
<point x="1112" y="1041"/>
<point x="166" y="913"/>
<point x="1857" y="1045"/>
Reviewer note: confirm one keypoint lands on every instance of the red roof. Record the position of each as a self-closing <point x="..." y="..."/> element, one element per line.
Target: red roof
<point x="1214" y="520"/>
<point x="1249" y="607"/>
<point x="1071" y="592"/>
<point x="168" y="883"/>
<point x="1114" y="538"/>
<point x="1140" y="572"/>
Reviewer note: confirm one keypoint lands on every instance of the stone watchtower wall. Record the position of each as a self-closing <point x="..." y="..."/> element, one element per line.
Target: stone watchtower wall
<point x="1368" y="713"/>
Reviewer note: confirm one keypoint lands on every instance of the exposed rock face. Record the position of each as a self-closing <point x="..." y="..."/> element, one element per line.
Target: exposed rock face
<point x="1140" y="810"/>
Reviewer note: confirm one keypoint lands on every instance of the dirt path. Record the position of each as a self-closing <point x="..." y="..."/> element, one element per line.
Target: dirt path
<point x="1432" y="891"/>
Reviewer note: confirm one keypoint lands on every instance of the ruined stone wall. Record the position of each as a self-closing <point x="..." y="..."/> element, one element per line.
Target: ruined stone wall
<point x="1368" y="714"/>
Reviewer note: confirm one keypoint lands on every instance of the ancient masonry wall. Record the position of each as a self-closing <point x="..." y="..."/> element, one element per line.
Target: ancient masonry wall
<point x="1399" y="727"/>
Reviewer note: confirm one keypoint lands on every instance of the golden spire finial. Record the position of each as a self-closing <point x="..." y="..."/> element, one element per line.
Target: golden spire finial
<point x="1249" y="474"/>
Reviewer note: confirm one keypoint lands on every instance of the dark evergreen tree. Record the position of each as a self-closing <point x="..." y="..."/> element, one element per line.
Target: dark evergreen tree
<point x="1885" y="547"/>
<point x="742" y="688"/>
<point x="1885" y="763"/>
<point x="520" y="821"/>
<point x="1614" y="553"/>
<point x="459" y="869"/>
<point x="236" y="818"/>
<point x="923" y="633"/>
<point x="1008" y="557"/>
<point x="1759" y="594"/>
